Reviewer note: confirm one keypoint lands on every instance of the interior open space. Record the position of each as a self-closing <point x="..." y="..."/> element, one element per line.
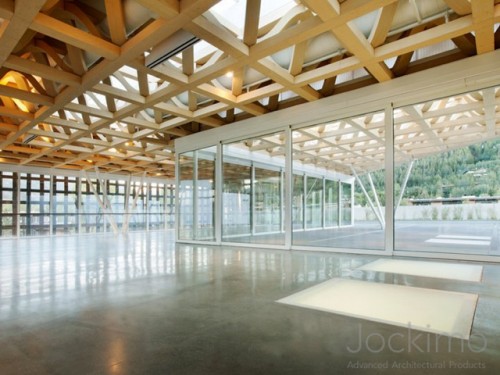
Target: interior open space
<point x="249" y="186"/>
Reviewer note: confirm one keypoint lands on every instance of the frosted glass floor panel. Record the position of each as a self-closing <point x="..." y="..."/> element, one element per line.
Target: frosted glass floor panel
<point x="459" y="242"/>
<point x="453" y="271"/>
<point x="484" y="238"/>
<point x="429" y="310"/>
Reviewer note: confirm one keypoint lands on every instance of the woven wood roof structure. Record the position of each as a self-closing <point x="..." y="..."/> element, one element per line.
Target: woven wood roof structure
<point x="77" y="90"/>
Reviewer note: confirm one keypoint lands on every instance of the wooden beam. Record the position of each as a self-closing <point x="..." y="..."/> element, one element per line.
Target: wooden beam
<point x="297" y="61"/>
<point x="15" y="113"/>
<point x="383" y="24"/>
<point x="16" y="23"/>
<point x="237" y="81"/>
<point x="116" y="21"/>
<point x="351" y="38"/>
<point x="218" y="37"/>
<point x="41" y="70"/>
<point x="71" y="35"/>
<point x="466" y="43"/>
<point x="131" y="97"/>
<point x="85" y="109"/>
<point x="164" y="8"/>
<point x="483" y="12"/>
<point x="188" y="61"/>
<point x="25" y="95"/>
<point x="425" y="38"/>
<point x="279" y="75"/>
<point x="252" y="13"/>
<point x="460" y="7"/>
<point x="6" y="9"/>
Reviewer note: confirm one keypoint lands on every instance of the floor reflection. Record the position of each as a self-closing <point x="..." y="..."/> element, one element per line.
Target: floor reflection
<point x="58" y="273"/>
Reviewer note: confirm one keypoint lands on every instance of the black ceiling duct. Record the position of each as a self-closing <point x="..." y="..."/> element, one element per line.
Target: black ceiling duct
<point x="171" y="46"/>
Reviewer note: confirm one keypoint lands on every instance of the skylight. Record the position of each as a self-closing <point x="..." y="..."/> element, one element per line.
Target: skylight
<point x="231" y="13"/>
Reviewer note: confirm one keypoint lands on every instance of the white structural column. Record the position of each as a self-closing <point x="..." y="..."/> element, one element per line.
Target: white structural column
<point x="52" y="211"/>
<point x="375" y="194"/>
<point x="323" y="209"/>
<point x="370" y="202"/>
<point x="79" y="204"/>
<point x="389" y="179"/>
<point x="148" y="197"/>
<point x="489" y="103"/>
<point x="288" y="189"/>
<point x="177" y="195"/>
<point x="253" y="183"/>
<point x="403" y="186"/>
<point x="126" y="204"/>
<point x="196" y="200"/>
<point x="282" y="200"/>
<point x="130" y="211"/>
<point x="17" y="203"/>
<point x="304" y="201"/>
<point x="341" y="214"/>
<point x="218" y="194"/>
<point x="103" y="203"/>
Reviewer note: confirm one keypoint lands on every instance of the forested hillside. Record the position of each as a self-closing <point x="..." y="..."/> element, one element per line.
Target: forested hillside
<point x="472" y="170"/>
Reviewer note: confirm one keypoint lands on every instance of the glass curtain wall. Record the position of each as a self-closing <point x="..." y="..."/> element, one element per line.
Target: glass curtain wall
<point x="92" y="217"/>
<point x="196" y="175"/>
<point x="445" y="191"/>
<point x="186" y="196"/>
<point x="331" y="203"/>
<point x="34" y="204"/>
<point x="314" y="202"/>
<point x="205" y="190"/>
<point x="156" y="206"/>
<point x="237" y="200"/>
<point x="268" y="196"/>
<point x="170" y="206"/>
<point x="252" y="190"/>
<point x="447" y="175"/>
<point x="338" y="185"/>
<point x="9" y="204"/>
<point x="298" y="203"/>
<point x="38" y="205"/>
<point x="345" y="204"/>
<point x="137" y="206"/>
<point x="65" y="205"/>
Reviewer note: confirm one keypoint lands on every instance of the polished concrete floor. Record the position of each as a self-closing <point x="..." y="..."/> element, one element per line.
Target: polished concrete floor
<point x="139" y="304"/>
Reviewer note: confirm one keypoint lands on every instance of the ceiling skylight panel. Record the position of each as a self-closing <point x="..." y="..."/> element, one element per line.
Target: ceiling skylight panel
<point x="231" y="13"/>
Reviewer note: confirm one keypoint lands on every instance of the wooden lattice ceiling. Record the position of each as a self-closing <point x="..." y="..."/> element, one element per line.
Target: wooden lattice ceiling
<point x="75" y="92"/>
